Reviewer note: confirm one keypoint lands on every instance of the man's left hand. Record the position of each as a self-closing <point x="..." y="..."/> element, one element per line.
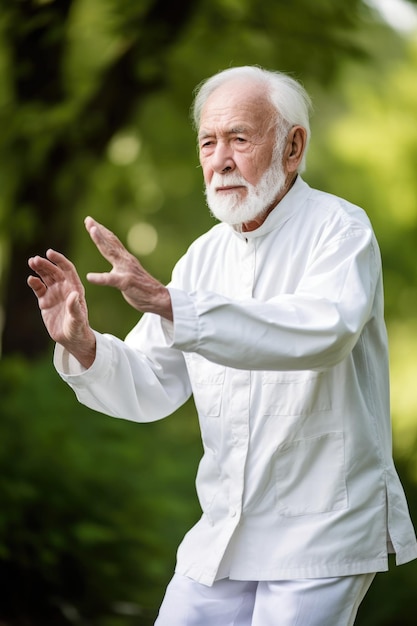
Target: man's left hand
<point x="141" y="290"/>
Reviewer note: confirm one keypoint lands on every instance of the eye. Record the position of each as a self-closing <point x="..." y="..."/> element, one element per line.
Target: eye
<point x="207" y="144"/>
<point x="241" y="143"/>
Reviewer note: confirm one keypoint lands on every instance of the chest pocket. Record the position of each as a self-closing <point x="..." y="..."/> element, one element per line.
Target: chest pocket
<point x="207" y="381"/>
<point x="292" y="394"/>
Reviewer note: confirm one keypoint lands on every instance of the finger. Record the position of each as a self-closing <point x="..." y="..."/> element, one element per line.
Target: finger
<point x="46" y="270"/>
<point x="89" y="222"/>
<point x="60" y="261"/>
<point x="33" y="262"/>
<point x="106" y="279"/>
<point x="74" y="305"/>
<point x="37" y="286"/>
<point x="95" y="229"/>
<point x="108" y="244"/>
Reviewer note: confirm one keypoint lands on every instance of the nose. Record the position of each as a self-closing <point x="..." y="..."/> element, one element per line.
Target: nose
<point x="222" y="158"/>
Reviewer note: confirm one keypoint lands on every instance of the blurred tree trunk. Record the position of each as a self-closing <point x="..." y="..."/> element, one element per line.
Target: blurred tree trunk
<point x="36" y="38"/>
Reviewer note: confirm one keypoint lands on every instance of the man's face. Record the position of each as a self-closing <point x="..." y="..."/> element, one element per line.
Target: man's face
<point x="242" y="166"/>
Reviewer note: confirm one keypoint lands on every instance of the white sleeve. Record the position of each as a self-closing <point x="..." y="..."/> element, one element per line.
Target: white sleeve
<point x="313" y="328"/>
<point x="140" y="379"/>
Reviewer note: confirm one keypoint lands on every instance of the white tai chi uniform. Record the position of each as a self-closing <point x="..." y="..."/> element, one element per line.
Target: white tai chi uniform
<point x="279" y="335"/>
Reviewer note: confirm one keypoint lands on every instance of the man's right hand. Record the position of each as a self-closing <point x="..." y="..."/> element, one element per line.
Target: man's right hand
<point x="61" y="299"/>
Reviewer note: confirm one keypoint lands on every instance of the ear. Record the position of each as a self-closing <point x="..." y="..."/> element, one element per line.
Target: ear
<point x="294" y="150"/>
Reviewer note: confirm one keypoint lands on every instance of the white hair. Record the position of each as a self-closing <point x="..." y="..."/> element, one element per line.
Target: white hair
<point x="289" y="98"/>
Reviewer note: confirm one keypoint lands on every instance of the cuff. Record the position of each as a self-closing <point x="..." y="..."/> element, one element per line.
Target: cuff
<point x="183" y="333"/>
<point x="69" y="368"/>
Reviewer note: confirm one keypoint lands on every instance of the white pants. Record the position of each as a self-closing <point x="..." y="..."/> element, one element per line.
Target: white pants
<point x="305" y="602"/>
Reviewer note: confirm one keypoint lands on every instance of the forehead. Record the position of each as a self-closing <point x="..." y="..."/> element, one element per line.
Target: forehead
<point x="237" y="105"/>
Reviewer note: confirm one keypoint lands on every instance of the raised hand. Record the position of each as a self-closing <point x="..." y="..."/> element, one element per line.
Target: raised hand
<point x="62" y="303"/>
<point x="139" y="288"/>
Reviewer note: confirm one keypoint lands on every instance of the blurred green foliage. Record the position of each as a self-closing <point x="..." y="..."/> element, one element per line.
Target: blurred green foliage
<point x="92" y="508"/>
<point x="94" y="100"/>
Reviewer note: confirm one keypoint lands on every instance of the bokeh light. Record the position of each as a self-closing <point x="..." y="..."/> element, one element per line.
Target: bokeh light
<point x="142" y="238"/>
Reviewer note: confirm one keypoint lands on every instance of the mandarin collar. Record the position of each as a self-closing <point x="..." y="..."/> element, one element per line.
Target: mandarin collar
<point x="283" y="211"/>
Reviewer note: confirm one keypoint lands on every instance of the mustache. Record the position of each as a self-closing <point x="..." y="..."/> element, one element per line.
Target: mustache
<point x="223" y="180"/>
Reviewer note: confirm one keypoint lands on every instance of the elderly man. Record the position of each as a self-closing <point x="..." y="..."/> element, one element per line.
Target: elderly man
<point x="274" y="322"/>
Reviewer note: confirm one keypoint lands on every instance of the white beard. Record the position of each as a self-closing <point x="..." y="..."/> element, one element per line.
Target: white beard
<point x="231" y="208"/>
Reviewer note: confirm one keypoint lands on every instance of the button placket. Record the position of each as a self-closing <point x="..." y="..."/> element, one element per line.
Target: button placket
<point x="248" y="269"/>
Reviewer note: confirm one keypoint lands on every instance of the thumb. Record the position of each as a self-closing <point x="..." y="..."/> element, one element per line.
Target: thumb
<point x="74" y="306"/>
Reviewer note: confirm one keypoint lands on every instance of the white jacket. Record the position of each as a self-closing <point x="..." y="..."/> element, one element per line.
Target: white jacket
<point x="279" y="334"/>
